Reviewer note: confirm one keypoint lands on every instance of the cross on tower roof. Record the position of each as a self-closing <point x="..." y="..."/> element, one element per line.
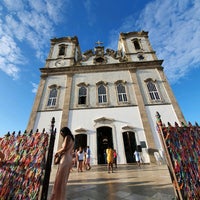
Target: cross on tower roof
<point x="99" y="43"/>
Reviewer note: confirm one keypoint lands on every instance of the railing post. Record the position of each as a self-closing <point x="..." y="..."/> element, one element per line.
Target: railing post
<point x="45" y="186"/>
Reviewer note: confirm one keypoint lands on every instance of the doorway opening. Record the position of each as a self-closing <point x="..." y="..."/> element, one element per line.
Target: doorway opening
<point x="80" y="141"/>
<point x="104" y="139"/>
<point x="129" y="146"/>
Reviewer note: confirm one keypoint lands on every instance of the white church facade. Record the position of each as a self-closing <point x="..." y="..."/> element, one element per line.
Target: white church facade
<point x="106" y="97"/>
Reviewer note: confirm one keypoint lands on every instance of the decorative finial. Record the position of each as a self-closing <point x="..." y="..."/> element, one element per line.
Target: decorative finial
<point x="99" y="43"/>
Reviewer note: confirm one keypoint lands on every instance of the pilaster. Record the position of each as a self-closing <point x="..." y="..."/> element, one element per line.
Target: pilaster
<point x="144" y="118"/>
<point x="174" y="103"/>
<point x="65" y="112"/>
<point x="35" y="108"/>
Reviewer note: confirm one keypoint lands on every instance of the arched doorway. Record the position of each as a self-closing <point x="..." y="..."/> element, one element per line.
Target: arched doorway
<point x="80" y="141"/>
<point x="104" y="139"/>
<point x="129" y="146"/>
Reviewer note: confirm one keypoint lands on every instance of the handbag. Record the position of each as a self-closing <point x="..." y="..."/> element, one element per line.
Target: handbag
<point x="57" y="159"/>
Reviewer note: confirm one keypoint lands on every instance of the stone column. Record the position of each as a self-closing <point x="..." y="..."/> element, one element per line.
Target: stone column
<point x="36" y="105"/>
<point x="144" y="118"/>
<point x="66" y="106"/>
<point x="174" y="103"/>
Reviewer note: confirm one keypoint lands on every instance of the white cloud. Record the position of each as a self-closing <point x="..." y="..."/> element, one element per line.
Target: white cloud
<point x="88" y="5"/>
<point x="14" y="6"/>
<point x="26" y="22"/>
<point x="37" y="5"/>
<point x="10" y="55"/>
<point x="14" y="28"/>
<point x="35" y="87"/>
<point x="9" y="68"/>
<point x="55" y="9"/>
<point x="174" y="33"/>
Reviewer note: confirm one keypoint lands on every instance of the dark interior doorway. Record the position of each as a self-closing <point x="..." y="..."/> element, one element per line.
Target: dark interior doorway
<point x="80" y="141"/>
<point x="129" y="146"/>
<point x="104" y="139"/>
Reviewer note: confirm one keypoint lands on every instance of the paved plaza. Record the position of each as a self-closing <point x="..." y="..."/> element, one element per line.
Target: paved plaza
<point x="128" y="182"/>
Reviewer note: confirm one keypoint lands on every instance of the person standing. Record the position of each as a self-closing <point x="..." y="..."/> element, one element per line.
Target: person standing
<point x="88" y="154"/>
<point x="115" y="157"/>
<point x="137" y="157"/>
<point x="80" y="157"/>
<point x="62" y="175"/>
<point x="109" y="153"/>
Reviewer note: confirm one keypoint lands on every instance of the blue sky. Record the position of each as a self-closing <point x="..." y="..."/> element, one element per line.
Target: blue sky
<point x="27" y="26"/>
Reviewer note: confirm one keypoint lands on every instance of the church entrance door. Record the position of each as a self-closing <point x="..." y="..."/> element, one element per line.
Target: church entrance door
<point x="104" y="139"/>
<point x="80" y="141"/>
<point x="129" y="146"/>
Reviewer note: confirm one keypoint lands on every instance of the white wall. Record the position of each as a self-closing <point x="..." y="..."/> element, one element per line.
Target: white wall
<point x="122" y="117"/>
<point x="60" y="81"/>
<point x="43" y="120"/>
<point x="110" y="78"/>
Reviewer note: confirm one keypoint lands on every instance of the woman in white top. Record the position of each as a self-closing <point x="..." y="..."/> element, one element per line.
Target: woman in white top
<point x="137" y="157"/>
<point x="80" y="155"/>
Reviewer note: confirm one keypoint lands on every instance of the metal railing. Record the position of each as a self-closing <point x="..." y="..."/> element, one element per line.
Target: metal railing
<point x="45" y="185"/>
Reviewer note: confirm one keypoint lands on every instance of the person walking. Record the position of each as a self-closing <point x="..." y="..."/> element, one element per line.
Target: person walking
<point x="137" y="157"/>
<point x="88" y="154"/>
<point x="109" y="153"/>
<point x="62" y="175"/>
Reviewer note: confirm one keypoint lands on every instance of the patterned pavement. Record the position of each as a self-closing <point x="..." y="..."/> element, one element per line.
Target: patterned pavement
<point x="128" y="182"/>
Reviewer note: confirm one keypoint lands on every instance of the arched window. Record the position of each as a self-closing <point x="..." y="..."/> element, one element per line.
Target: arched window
<point x="102" y="96"/>
<point x="82" y="96"/>
<point x="121" y="90"/>
<point x="153" y="92"/>
<point x="52" y="97"/>
<point x="136" y="44"/>
<point x="62" y="50"/>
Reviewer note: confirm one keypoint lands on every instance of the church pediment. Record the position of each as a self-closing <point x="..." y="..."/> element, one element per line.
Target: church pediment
<point x="128" y="128"/>
<point x="104" y="120"/>
<point x="101" y="82"/>
<point x="98" y="56"/>
<point x="149" y="79"/>
<point x="81" y="130"/>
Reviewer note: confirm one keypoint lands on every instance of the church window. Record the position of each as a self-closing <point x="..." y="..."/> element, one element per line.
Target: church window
<point x="136" y="44"/>
<point x="62" y="50"/>
<point x="102" y="96"/>
<point x="82" y="95"/>
<point x="52" y="97"/>
<point x="121" y="90"/>
<point x="153" y="92"/>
